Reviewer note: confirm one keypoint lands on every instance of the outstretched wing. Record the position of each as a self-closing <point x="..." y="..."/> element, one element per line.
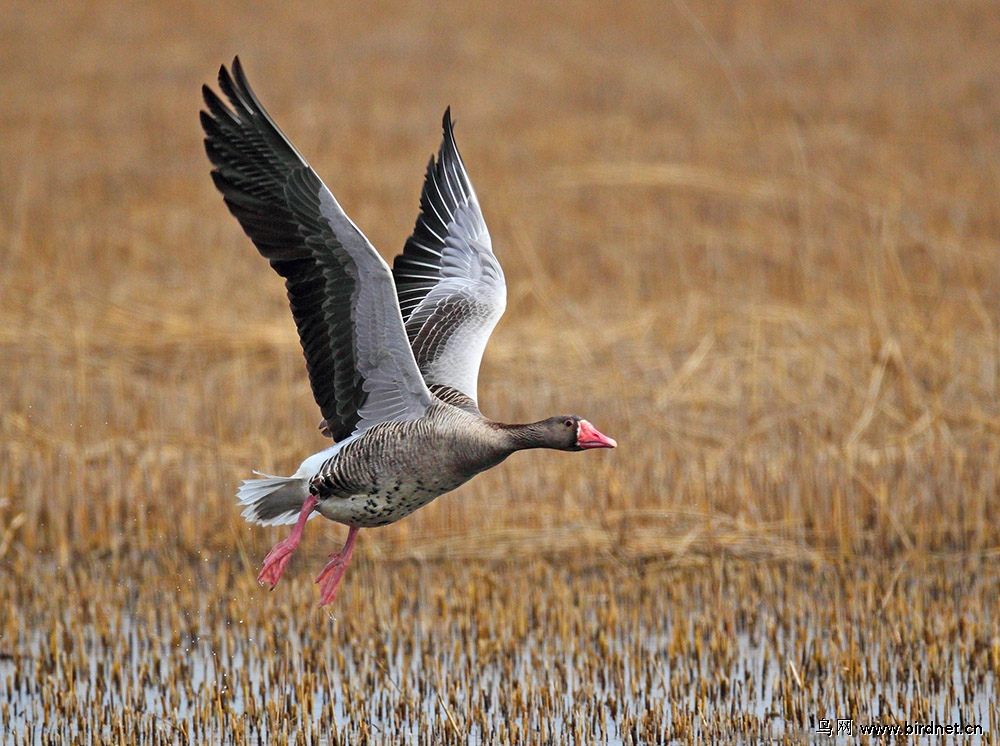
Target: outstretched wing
<point x="451" y="287"/>
<point x="341" y="292"/>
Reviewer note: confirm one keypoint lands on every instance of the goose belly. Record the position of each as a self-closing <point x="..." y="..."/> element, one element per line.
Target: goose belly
<point x="386" y="503"/>
<point x="396" y="468"/>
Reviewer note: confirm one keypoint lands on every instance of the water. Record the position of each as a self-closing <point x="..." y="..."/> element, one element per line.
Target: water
<point x="576" y="658"/>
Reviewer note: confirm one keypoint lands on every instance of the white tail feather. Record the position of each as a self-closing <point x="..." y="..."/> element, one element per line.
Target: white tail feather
<point x="271" y="500"/>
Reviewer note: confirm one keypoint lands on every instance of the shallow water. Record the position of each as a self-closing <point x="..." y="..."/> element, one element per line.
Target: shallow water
<point x="538" y="653"/>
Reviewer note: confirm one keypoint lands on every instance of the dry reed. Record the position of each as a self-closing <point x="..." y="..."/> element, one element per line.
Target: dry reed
<point x="755" y="242"/>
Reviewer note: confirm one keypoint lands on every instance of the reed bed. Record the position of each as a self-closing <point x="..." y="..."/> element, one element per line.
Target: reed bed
<point x="524" y="651"/>
<point x="754" y="242"/>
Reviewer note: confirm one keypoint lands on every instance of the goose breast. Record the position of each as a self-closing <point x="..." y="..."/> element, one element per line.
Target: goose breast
<point x="398" y="467"/>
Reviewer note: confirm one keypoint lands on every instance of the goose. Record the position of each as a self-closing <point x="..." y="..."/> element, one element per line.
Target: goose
<point x="392" y="355"/>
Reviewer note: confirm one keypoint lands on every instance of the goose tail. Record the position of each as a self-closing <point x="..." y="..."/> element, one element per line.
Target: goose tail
<point x="271" y="500"/>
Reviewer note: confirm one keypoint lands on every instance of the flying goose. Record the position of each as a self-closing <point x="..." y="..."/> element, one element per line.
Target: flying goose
<point x="392" y="355"/>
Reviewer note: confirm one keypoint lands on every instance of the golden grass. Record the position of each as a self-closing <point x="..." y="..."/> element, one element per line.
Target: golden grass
<point x="485" y="653"/>
<point x="754" y="242"/>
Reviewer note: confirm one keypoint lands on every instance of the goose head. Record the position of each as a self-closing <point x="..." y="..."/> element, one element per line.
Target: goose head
<point x="568" y="432"/>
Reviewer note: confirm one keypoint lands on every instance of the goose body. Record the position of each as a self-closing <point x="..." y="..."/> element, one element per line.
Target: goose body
<point x="392" y="355"/>
<point x="396" y="468"/>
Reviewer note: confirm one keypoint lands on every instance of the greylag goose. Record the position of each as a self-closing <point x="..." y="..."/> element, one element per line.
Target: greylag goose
<point x="392" y="355"/>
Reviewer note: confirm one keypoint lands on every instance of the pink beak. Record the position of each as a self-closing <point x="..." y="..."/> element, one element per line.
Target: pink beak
<point x="588" y="436"/>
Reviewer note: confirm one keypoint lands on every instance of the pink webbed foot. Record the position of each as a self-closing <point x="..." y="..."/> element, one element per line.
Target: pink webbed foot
<point x="277" y="559"/>
<point x="331" y="575"/>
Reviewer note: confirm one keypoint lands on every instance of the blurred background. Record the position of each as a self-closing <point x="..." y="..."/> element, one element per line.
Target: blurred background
<point x="756" y="242"/>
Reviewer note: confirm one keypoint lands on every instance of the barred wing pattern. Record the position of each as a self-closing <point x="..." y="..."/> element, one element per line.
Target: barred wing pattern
<point x="341" y="292"/>
<point x="451" y="288"/>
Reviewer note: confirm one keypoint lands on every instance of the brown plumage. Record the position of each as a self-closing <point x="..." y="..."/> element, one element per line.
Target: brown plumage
<point x="393" y="356"/>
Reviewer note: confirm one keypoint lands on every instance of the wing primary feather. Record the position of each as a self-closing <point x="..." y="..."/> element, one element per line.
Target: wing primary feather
<point x="340" y="290"/>
<point x="450" y="286"/>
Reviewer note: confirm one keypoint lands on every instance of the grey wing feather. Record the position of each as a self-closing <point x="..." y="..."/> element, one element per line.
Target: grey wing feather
<point x="340" y="290"/>
<point x="451" y="288"/>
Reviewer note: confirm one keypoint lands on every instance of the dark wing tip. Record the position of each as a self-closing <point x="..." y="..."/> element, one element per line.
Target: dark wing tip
<point x="449" y="146"/>
<point x="234" y="84"/>
<point x="237" y="71"/>
<point x="241" y="80"/>
<point x="224" y="78"/>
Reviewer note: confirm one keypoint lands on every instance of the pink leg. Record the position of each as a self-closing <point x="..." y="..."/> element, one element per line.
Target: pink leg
<point x="332" y="574"/>
<point x="277" y="558"/>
